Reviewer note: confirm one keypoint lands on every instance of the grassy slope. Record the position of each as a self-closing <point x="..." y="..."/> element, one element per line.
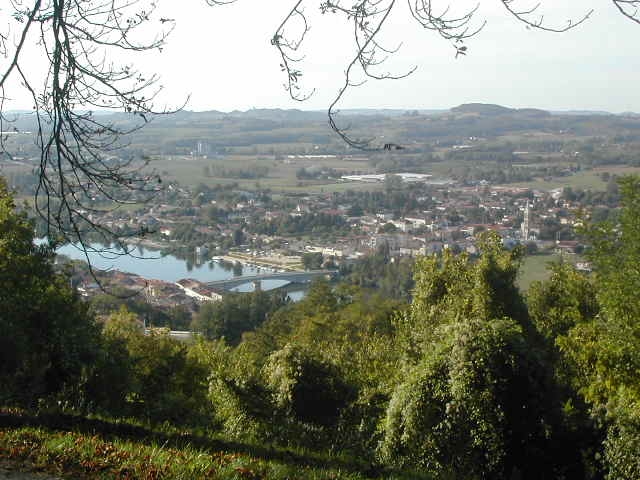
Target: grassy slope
<point x="76" y="447"/>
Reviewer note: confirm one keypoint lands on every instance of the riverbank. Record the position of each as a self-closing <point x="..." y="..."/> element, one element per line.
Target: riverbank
<point x="285" y="263"/>
<point x="151" y="264"/>
<point x="147" y="243"/>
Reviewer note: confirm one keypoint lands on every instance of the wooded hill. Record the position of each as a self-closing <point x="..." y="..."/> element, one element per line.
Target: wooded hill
<point x="269" y="131"/>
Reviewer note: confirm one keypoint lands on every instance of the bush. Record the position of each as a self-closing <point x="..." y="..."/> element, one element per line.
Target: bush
<point x="149" y="376"/>
<point x="306" y="389"/>
<point x="475" y="407"/>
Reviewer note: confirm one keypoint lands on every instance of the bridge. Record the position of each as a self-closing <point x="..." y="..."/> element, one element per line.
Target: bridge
<point x="291" y="277"/>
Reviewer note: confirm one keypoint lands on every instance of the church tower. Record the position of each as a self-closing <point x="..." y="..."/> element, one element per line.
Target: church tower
<point x="525" y="224"/>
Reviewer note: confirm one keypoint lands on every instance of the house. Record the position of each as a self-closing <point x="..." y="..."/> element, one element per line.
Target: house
<point x="567" y="246"/>
<point x="584" y="266"/>
<point x="198" y="290"/>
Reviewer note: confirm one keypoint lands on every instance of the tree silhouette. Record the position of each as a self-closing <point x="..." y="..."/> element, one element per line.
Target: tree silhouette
<point x="79" y="151"/>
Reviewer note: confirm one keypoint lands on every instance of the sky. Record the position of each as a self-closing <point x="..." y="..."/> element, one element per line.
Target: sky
<point x="220" y="58"/>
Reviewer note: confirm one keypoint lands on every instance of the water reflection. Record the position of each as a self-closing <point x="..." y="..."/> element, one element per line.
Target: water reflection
<point x="237" y="269"/>
<point x="149" y="263"/>
<point x="154" y="265"/>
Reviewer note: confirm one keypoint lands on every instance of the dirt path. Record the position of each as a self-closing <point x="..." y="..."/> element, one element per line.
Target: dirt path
<point x="10" y="471"/>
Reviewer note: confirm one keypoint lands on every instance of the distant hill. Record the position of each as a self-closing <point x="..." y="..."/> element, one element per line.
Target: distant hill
<point x="283" y="131"/>
<point x="582" y="112"/>
<point x="491" y="109"/>
<point x="391" y="112"/>
<point x="482" y="109"/>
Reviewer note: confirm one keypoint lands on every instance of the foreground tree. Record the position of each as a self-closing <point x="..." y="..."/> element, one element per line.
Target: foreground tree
<point x="477" y="399"/>
<point x="148" y="375"/>
<point x="605" y="351"/>
<point x="78" y="42"/>
<point x="48" y="338"/>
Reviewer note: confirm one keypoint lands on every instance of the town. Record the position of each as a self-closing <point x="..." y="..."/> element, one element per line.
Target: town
<point x="407" y="217"/>
<point x="240" y="203"/>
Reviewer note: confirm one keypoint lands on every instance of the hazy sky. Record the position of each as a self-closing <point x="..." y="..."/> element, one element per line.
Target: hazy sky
<point x="221" y="56"/>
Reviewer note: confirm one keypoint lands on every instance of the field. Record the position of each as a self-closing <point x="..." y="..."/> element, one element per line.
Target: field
<point x="281" y="177"/>
<point x="281" y="173"/>
<point x="586" y="180"/>
<point x="535" y="268"/>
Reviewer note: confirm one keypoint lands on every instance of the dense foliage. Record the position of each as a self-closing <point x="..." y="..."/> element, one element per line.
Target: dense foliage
<point x="236" y="313"/>
<point x="47" y="336"/>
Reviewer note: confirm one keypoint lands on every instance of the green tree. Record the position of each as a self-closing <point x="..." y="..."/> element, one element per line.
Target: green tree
<point x="238" y="237"/>
<point x="392" y="183"/>
<point x="565" y="300"/>
<point x="49" y="339"/>
<point x="558" y="305"/>
<point x="316" y="373"/>
<point x="388" y="228"/>
<point x="475" y="399"/>
<point x="473" y="407"/>
<point x="155" y="377"/>
<point x="306" y="388"/>
<point x="236" y="313"/>
<point x="312" y="260"/>
<point x="179" y="318"/>
<point x="605" y="351"/>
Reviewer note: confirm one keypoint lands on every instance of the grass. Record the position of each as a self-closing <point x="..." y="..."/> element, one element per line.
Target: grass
<point x="281" y="178"/>
<point x="586" y="180"/>
<point x="66" y="453"/>
<point x="78" y="447"/>
<point x="535" y="268"/>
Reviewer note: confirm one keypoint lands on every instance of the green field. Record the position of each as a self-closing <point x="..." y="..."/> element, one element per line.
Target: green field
<point x="189" y="171"/>
<point x="534" y="268"/>
<point x="586" y="180"/>
<point x="90" y="448"/>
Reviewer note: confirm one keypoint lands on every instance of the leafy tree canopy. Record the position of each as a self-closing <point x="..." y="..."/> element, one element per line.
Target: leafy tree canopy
<point x="48" y="336"/>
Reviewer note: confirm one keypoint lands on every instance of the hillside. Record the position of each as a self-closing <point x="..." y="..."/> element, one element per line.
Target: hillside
<point x="268" y="131"/>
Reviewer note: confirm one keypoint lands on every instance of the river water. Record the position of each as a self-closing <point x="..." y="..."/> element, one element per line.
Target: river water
<point x="149" y="263"/>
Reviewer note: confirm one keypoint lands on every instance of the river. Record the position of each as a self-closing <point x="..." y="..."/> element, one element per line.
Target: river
<point x="149" y="263"/>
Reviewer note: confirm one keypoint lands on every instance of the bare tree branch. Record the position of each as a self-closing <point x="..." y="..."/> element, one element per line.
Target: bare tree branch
<point x="629" y="8"/>
<point x="532" y="19"/>
<point x="369" y="17"/>
<point x="79" y="157"/>
<point x="288" y="49"/>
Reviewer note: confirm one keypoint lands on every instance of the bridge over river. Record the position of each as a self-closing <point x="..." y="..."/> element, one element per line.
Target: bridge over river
<point x="291" y="277"/>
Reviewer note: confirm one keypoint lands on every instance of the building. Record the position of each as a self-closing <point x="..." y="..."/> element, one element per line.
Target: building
<point x="198" y="290"/>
